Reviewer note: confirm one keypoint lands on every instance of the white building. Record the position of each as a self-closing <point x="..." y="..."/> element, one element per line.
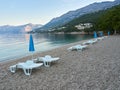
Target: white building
<point x="83" y="26"/>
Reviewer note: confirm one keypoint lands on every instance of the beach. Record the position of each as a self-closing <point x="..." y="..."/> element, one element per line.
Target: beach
<point x="95" y="68"/>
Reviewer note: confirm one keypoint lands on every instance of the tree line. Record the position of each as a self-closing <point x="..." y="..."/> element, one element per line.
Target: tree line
<point x="110" y="20"/>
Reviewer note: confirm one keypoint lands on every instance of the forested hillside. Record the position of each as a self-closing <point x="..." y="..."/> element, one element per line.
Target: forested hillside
<point x="110" y="20"/>
<point x="105" y="20"/>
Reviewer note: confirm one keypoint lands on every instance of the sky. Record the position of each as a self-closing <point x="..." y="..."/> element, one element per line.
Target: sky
<point x="19" y="12"/>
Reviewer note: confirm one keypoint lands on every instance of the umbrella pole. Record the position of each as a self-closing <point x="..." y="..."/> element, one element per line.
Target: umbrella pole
<point x="32" y="55"/>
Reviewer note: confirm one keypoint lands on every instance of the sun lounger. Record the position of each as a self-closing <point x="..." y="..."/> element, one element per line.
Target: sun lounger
<point x="100" y="38"/>
<point x="78" y="47"/>
<point x="47" y="60"/>
<point x="90" y="42"/>
<point x="26" y="66"/>
<point x="105" y="36"/>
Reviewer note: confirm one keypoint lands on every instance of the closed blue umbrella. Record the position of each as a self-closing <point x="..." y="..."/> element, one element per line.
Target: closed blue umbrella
<point x="108" y="33"/>
<point x="31" y="45"/>
<point x="101" y="34"/>
<point x="95" y="35"/>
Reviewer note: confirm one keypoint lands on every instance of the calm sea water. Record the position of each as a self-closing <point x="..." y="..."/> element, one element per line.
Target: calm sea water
<point x="16" y="45"/>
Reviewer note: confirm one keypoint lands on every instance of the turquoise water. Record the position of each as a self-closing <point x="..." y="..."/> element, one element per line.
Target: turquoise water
<point x="14" y="46"/>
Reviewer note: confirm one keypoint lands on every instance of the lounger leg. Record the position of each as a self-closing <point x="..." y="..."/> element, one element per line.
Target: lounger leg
<point x="27" y="71"/>
<point x="79" y="50"/>
<point x="47" y="64"/>
<point x="13" y="68"/>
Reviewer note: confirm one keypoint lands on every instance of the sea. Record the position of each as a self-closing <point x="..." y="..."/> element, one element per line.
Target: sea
<point x="13" y="46"/>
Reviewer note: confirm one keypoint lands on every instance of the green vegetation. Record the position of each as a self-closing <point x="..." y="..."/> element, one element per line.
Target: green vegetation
<point x="88" y="18"/>
<point x="110" y="21"/>
<point x="70" y="29"/>
<point x="104" y="20"/>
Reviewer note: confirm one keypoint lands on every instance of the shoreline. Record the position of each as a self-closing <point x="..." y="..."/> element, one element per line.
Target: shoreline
<point x="38" y="53"/>
<point x="8" y="56"/>
<point x="96" y="68"/>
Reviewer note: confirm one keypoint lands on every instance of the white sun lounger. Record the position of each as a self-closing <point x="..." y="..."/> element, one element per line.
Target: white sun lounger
<point x="100" y="38"/>
<point x="78" y="47"/>
<point x="105" y="36"/>
<point x="90" y="42"/>
<point x="26" y="66"/>
<point x="47" y="60"/>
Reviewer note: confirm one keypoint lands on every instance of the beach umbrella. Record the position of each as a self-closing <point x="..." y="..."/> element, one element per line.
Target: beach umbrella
<point x="95" y="35"/>
<point x="108" y="33"/>
<point x="31" y="45"/>
<point x="101" y="34"/>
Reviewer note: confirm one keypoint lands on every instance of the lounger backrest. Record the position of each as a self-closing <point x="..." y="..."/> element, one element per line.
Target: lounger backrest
<point x="29" y="62"/>
<point x="48" y="56"/>
<point x="40" y="58"/>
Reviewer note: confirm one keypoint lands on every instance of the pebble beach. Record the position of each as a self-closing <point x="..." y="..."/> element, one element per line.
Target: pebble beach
<point x="95" y="68"/>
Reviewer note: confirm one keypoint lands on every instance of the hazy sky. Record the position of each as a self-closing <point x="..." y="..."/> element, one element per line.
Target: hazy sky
<point x="18" y="12"/>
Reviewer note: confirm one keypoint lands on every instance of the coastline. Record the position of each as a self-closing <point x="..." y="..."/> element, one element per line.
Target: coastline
<point x="15" y="50"/>
<point x="96" y="68"/>
<point x="38" y="54"/>
<point x="82" y="33"/>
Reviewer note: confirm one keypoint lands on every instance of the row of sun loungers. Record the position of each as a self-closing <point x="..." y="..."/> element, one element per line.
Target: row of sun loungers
<point x="85" y="44"/>
<point x="82" y="46"/>
<point x="29" y="65"/>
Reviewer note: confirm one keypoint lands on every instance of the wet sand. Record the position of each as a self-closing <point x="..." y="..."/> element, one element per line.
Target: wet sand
<point x="96" y="68"/>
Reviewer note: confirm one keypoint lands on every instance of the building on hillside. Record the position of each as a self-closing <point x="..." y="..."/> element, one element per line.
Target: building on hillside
<point x="83" y="26"/>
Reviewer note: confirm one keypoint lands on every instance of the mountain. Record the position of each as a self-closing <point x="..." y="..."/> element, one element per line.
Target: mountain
<point x="19" y="29"/>
<point x="59" y="21"/>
